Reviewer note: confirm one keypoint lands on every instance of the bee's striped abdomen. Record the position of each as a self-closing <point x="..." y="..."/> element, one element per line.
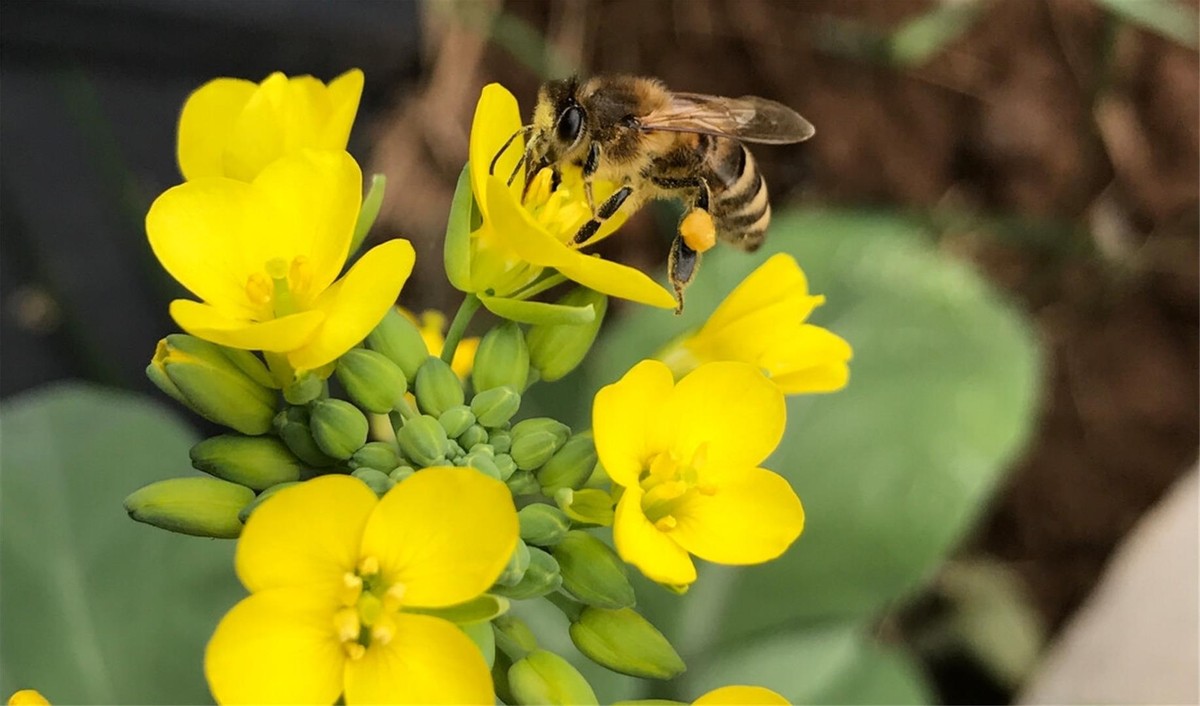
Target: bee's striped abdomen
<point x="741" y="208"/>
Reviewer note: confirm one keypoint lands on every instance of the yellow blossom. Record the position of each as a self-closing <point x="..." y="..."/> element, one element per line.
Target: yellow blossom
<point x="741" y="696"/>
<point x="335" y="576"/>
<point x="761" y="322"/>
<point x="27" y="697"/>
<point x="432" y="325"/>
<point x="234" y="128"/>
<point x="687" y="459"/>
<point x="263" y="257"/>
<point x="519" y="238"/>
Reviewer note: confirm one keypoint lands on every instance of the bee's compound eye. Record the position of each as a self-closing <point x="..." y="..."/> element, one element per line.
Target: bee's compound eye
<point x="570" y="123"/>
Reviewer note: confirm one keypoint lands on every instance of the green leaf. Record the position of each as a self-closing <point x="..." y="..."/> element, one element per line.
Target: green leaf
<point x="1170" y="18"/>
<point x="457" y="248"/>
<point x="528" y="312"/>
<point x="98" y="608"/>
<point x="921" y="38"/>
<point x="369" y="211"/>
<point x="476" y="610"/>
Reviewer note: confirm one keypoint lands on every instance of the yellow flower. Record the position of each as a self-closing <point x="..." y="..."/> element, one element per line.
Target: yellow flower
<point x="687" y="456"/>
<point x="27" y="697"/>
<point x="334" y="576"/>
<point x="432" y="325"/>
<point x="741" y="696"/>
<point x="518" y="239"/>
<point x="761" y="322"/>
<point x="234" y="128"/>
<point x="263" y="257"/>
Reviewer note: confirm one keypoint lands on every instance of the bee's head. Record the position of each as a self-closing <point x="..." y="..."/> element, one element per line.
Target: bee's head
<point x="558" y="124"/>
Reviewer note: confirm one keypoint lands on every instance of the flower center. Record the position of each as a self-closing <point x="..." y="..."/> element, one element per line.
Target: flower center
<point x="274" y="289"/>
<point x="370" y="605"/>
<point x="669" y="483"/>
<point x="561" y="211"/>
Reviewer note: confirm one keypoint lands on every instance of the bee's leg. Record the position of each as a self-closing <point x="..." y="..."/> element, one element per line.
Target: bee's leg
<point x="605" y="212"/>
<point x="696" y="227"/>
<point x="682" y="265"/>
<point x="590" y="164"/>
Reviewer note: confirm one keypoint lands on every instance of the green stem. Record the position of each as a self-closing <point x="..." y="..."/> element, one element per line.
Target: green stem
<point x="570" y="608"/>
<point x="458" y="326"/>
<point x="540" y="286"/>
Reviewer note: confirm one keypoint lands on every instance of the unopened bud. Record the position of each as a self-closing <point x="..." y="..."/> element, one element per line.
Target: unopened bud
<point x="534" y="441"/>
<point x="570" y="466"/>
<point x="199" y="375"/>
<point x="376" y="480"/>
<point x="592" y="572"/>
<point x="502" y="359"/>
<point x="500" y="440"/>
<point x="304" y="388"/>
<point x="543" y="525"/>
<point x="372" y="380"/>
<point x="521" y="482"/>
<point x="457" y="420"/>
<point x="542" y="677"/>
<point x="517" y="563"/>
<point x="257" y="462"/>
<point x="496" y="406"/>
<point x="379" y="455"/>
<point x="475" y="435"/>
<point x="338" y="427"/>
<point x="423" y="440"/>
<point x="436" y="387"/>
<point x="251" y="365"/>
<point x="541" y="577"/>
<point x="201" y="506"/>
<point x="557" y="349"/>
<point x="483" y="463"/>
<point x="401" y="473"/>
<point x="400" y="340"/>
<point x="249" y="509"/>
<point x="590" y="506"/>
<point x="292" y="425"/>
<point x="507" y="468"/>
<point x="625" y="642"/>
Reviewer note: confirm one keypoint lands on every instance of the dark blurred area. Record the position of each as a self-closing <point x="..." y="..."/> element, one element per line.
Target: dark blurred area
<point x="1054" y="144"/>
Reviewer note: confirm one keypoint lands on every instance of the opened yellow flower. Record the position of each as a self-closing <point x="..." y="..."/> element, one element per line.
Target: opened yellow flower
<point x="761" y="322"/>
<point x="234" y="128"/>
<point x="432" y="325"/>
<point x="687" y="456"/>
<point x="27" y="697"/>
<point x="263" y="257"/>
<point x="518" y="239"/>
<point x="741" y="696"/>
<point x="335" y="575"/>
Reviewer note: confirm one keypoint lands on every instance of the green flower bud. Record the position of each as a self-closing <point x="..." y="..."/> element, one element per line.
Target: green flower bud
<point x="475" y="435"/>
<point x="541" y="577"/>
<point x="496" y="406"/>
<point x="200" y="376"/>
<point x="249" y="509"/>
<point x="379" y="455"/>
<point x="305" y="388"/>
<point x="517" y="563"/>
<point x="400" y="340"/>
<point x="543" y="525"/>
<point x="500" y="440"/>
<point x="590" y="506"/>
<point x="399" y="473"/>
<point x="521" y="482"/>
<point x="482" y="462"/>
<point x="257" y="462"/>
<point x="251" y="365"/>
<point x="570" y="466"/>
<point x="514" y="635"/>
<point x="377" y="481"/>
<point x="456" y="421"/>
<point x="436" y="387"/>
<point x="556" y="349"/>
<point x="542" y="677"/>
<point x="292" y="426"/>
<point x="502" y="359"/>
<point x="423" y="440"/>
<point x="534" y="441"/>
<point x="625" y="642"/>
<point x="338" y="427"/>
<point x="373" y="381"/>
<point x="592" y="572"/>
<point x="507" y="468"/>
<point x="200" y="506"/>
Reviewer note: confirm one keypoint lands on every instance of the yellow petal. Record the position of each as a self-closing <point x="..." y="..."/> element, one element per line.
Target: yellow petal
<point x="427" y="661"/>
<point x="808" y="358"/>
<point x="445" y="533"/>
<point x="616" y="280"/>
<point x="27" y="697"/>
<point x="356" y="303"/>
<point x="778" y="278"/>
<point x="741" y="696"/>
<point x="464" y="357"/>
<point x="258" y="137"/>
<point x="306" y="535"/>
<point x="276" y="647"/>
<point x="640" y="543"/>
<point x="274" y="335"/>
<point x="728" y="411"/>
<point x="753" y="516"/>
<point x="344" y="93"/>
<point x="497" y="117"/>
<point x="827" y="377"/>
<point x="205" y="124"/>
<point x="623" y="415"/>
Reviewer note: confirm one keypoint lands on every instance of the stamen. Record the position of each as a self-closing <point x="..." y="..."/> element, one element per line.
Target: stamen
<point x="300" y="274"/>
<point x="368" y="566"/>
<point x="666" y="524"/>
<point x="383" y="631"/>
<point x="352" y="585"/>
<point x="346" y="624"/>
<point x="394" y="597"/>
<point x="353" y="650"/>
<point x="259" y="288"/>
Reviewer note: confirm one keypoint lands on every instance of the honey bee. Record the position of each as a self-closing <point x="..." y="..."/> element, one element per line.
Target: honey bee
<point x="657" y="144"/>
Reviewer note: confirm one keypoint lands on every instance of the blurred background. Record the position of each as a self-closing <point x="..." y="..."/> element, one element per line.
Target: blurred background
<point x="1000" y="203"/>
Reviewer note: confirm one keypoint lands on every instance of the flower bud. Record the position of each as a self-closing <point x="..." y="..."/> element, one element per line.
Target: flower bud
<point x="557" y="349"/>
<point x="570" y="466"/>
<point x="436" y="387"/>
<point x="589" y="506"/>
<point x="502" y="359"/>
<point x="483" y="463"/>
<point x="249" y="509"/>
<point x="541" y="577"/>
<point x="400" y="340"/>
<point x="379" y="455"/>
<point x="521" y="482"/>
<point x="304" y="388"/>
<point x="376" y="480"/>
<point x="251" y="365"/>
<point x="517" y="563"/>
<point x="534" y="441"/>
<point x="400" y="473"/>
<point x="514" y="634"/>
<point x="475" y="435"/>
<point x="494" y="407"/>
<point x="200" y="376"/>
<point x="423" y="440"/>
<point x="542" y="524"/>
<point x="625" y="642"/>
<point x="542" y="677"/>
<point x="500" y="440"/>
<point x="507" y="468"/>
<point x="372" y="380"/>
<point x="456" y="421"/>
<point x="592" y="572"/>
<point x="257" y="462"/>
<point x="292" y="426"/>
<point x="200" y="506"/>
<point x="338" y="427"/>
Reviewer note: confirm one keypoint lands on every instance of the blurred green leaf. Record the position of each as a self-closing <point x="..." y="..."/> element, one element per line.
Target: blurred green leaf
<point x="457" y="249"/>
<point x="369" y="211"/>
<point x="923" y="37"/>
<point x="97" y="608"/>
<point x="1170" y="18"/>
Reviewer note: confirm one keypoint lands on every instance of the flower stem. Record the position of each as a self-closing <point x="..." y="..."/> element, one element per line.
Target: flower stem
<point x="458" y="326"/>
<point x="570" y="608"/>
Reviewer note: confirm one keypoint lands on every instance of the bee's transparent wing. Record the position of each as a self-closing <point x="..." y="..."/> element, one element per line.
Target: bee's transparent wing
<point x="749" y="118"/>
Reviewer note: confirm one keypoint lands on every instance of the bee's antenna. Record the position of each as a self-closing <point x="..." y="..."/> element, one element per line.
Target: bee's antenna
<point x="523" y="130"/>
<point x="520" y="163"/>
